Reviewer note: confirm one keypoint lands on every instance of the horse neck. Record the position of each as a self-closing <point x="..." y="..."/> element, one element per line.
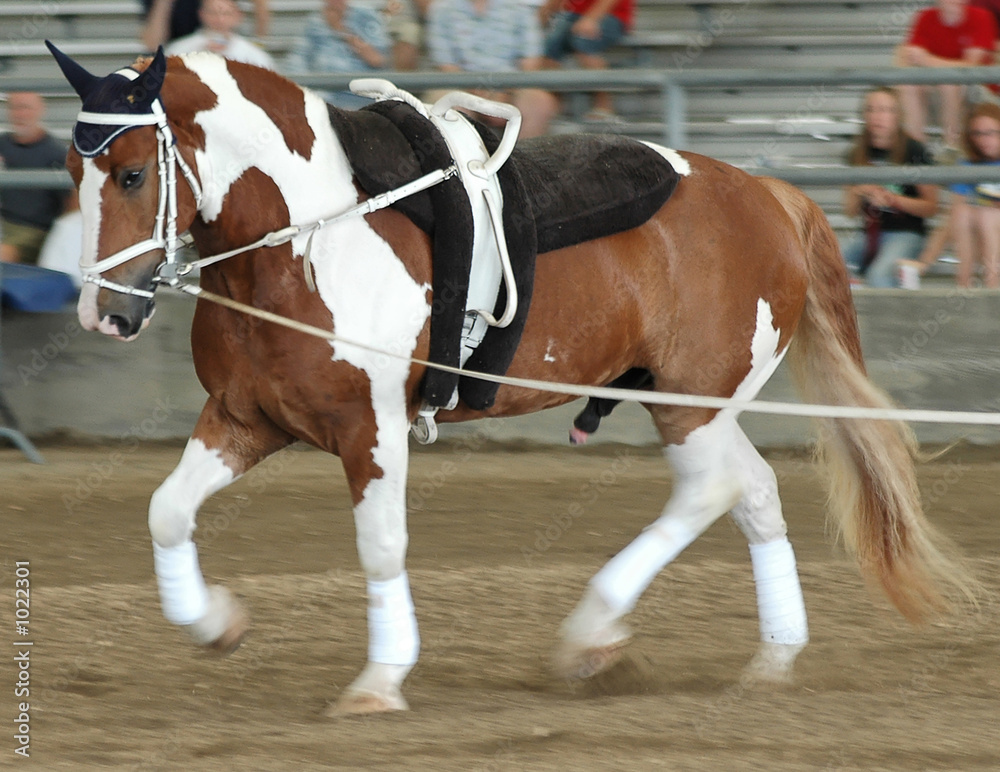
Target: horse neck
<point x="269" y="157"/>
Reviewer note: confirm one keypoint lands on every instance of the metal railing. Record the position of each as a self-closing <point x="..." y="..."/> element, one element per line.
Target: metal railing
<point x="671" y="84"/>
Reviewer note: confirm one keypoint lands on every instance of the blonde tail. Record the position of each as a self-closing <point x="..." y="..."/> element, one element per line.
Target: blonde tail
<point x="874" y="501"/>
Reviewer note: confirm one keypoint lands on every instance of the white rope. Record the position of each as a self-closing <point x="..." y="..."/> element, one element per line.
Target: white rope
<point x="624" y="395"/>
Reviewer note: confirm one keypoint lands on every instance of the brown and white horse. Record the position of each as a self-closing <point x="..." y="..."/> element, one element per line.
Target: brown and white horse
<point x="706" y="297"/>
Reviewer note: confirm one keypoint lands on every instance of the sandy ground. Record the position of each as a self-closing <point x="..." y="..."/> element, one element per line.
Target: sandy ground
<point x="495" y="567"/>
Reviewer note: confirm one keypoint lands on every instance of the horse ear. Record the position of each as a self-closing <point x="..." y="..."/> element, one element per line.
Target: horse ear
<point x="151" y="80"/>
<point x="81" y="80"/>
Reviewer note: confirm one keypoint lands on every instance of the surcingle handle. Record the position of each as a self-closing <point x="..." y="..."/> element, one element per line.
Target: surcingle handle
<point x="381" y="89"/>
<point x="477" y="104"/>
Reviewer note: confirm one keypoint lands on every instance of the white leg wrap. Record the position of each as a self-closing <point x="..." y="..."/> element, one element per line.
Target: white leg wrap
<point x="627" y="575"/>
<point x="182" y="588"/>
<point x="392" y="626"/>
<point x="780" y="605"/>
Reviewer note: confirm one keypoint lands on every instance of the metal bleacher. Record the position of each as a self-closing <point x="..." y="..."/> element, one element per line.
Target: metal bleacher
<point x="670" y="34"/>
<point x="752" y="126"/>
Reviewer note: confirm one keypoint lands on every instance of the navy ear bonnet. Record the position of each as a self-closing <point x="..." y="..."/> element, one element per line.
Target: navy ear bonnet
<point x="127" y="92"/>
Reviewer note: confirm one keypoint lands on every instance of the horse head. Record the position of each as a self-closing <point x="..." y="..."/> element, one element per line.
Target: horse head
<point x="123" y="160"/>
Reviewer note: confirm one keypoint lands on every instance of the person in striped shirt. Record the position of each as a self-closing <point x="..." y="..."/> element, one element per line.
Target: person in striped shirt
<point x="492" y="36"/>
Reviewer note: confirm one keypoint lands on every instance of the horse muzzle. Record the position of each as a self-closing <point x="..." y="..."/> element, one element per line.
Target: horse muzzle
<point x="120" y="316"/>
<point x="126" y="324"/>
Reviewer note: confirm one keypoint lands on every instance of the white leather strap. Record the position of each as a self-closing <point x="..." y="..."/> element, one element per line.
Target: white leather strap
<point x="117" y="119"/>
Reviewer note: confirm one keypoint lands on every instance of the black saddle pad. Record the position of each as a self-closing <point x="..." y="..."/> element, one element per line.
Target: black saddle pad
<point x="579" y="186"/>
<point x="585" y="186"/>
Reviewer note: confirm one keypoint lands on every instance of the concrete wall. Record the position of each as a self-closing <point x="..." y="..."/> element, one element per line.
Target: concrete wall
<point x="937" y="348"/>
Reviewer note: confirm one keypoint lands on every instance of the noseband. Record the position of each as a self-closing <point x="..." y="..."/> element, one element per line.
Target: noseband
<point x="165" y="228"/>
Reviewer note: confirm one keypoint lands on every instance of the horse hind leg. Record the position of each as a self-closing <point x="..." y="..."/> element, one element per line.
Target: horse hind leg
<point x="593" y="636"/>
<point x="219" y="451"/>
<point x="784" y="629"/>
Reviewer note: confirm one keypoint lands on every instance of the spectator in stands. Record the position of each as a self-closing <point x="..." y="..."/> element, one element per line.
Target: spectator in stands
<point x="344" y="36"/>
<point x="975" y="208"/>
<point x="586" y="28"/>
<point x="893" y="214"/>
<point x="168" y="20"/>
<point x="993" y="6"/>
<point x="492" y="36"/>
<point x="405" y="27"/>
<point x="973" y="224"/>
<point x="219" y="22"/>
<point x="952" y="34"/>
<point x="28" y="213"/>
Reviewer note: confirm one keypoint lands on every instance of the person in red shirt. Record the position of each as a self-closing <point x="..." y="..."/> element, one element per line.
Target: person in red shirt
<point x="993" y="6"/>
<point x="952" y="34"/>
<point x="586" y="28"/>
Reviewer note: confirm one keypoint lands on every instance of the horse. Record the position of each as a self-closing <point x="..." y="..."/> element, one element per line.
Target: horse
<point x="705" y="297"/>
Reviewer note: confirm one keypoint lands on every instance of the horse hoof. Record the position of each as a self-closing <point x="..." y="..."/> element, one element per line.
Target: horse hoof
<point x="231" y="639"/>
<point x="224" y="625"/>
<point x="366" y="703"/>
<point x="577" y="436"/>
<point x="773" y="664"/>
<point x="574" y="663"/>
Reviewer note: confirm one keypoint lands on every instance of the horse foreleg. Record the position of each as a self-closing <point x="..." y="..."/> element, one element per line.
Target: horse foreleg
<point x="219" y="451"/>
<point x="377" y="476"/>
<point x="704" y="489"/>
<point x="784" y="630"/>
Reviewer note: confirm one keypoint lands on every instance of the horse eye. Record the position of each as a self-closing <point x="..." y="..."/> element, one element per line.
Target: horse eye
<point x="131" y="179"/>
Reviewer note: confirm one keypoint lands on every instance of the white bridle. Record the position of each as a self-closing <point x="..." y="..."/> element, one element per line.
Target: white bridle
<point x="165" y="227"/>
<point x="168" y="159"/>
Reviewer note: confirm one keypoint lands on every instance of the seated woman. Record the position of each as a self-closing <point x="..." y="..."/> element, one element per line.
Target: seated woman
<point x="975" y="209"/>
<point x="586" y="28"/>
<point x="894" y="214"/>
<point x="973" y="224"/>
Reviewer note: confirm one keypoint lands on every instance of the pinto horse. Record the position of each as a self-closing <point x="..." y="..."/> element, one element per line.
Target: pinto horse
<point x="705" y="297"/>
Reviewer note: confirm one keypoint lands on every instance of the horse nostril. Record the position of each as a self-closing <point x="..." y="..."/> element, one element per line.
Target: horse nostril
<point x="126" y="327"/>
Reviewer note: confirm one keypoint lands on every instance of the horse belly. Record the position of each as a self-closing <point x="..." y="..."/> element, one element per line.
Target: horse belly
<point x="583" y="325"/>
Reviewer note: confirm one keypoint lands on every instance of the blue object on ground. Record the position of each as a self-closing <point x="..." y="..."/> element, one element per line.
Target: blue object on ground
<point x="30" y="288"/>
